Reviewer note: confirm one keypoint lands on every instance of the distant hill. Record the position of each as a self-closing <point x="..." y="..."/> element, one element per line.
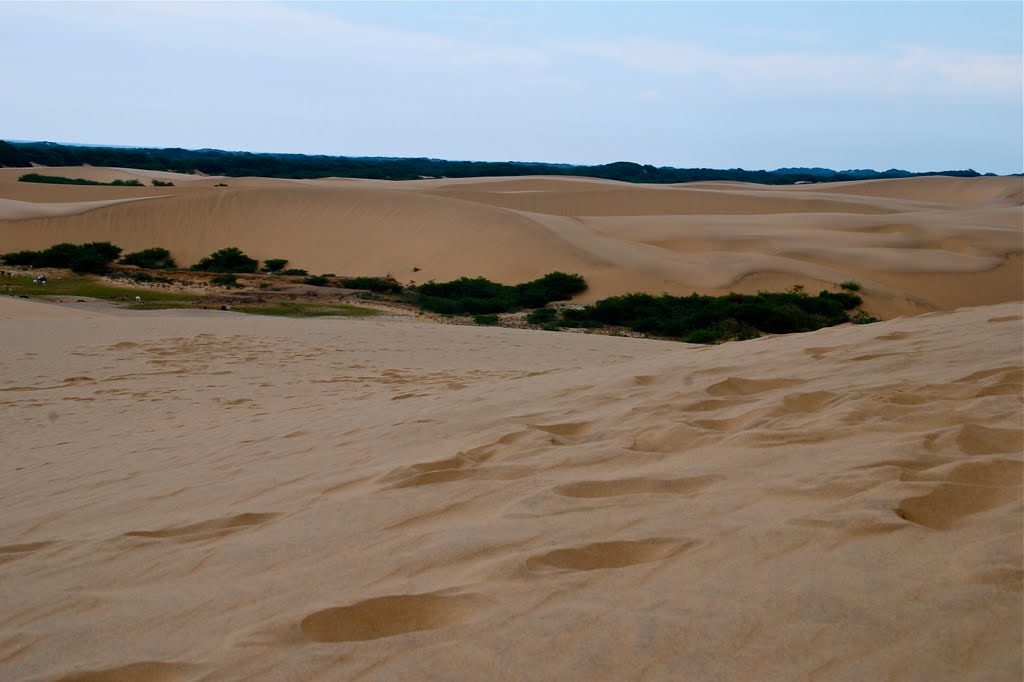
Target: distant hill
<point x="271" y="165"/>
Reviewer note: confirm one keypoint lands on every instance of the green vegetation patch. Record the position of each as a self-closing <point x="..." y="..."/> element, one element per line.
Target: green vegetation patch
<point x="58" y="180"/>
<point x="481" y="296"/>
<point x="94" y="257"/>
<point x="378" y="285"/>
<point x="90" y="287"/>
<point x="290" y="309"/>
<point x="156" y="258"/>
<point x="713" y="319"/>
<point x="228" y="259"/>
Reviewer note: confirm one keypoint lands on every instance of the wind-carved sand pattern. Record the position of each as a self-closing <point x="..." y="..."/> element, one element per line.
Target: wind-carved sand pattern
<point x="205" y="529"/>
<point x="146" y="671"/>
<point x="248" y="498"/>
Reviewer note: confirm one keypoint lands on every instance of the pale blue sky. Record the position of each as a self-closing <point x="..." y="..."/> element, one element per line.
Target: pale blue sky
<point x="915" y="85"/>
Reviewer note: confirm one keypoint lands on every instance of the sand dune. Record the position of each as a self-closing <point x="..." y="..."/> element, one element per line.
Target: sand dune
<point x="916" y="244"/>
<point x="201" y="495"/>
<point x="225" y="497"/>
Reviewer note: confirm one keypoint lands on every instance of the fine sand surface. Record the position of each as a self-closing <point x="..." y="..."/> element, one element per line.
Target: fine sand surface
<point x="204" y="495"/>
<point x="915" y="244"/>
<point x="212" y="496"/>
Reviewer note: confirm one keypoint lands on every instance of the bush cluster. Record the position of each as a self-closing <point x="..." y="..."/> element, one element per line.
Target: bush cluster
<point x="156" y="258"/>
<point x="94" y="257"/>
<point x="465" y="296"/>
<point x="161" y="183"/>
<point x="378" y="285"/>
<point x="226" y="280"/>
<point x="228" y="259"/>
<point x="274" y="265"/>
<point x="712" y="319"/>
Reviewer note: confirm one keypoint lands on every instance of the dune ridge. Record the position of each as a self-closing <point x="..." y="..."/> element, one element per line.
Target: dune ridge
<point x="916" y="244"/>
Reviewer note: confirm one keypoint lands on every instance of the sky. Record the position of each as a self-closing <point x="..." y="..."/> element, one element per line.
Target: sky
<point x="916" y="85"/>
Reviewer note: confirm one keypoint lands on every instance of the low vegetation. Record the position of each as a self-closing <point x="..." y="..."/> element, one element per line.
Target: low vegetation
<point x="92" y="287"/>
<point x="695" y="318"/>
<point x="140" y="277"/>
<point x="225" y="280"/>
<point x="156" y="258"/>
<point x="274" y="265"/>
<point x="58" y="180"/>
<point x="161" y="183"/>
<point x="293" y="309"/>
<point x="479" y="296"/>
<point x="94" y="257"/>
<point x="713" y="319"/>
<point x="378" y="285"/>
<point x="228" y="259"/>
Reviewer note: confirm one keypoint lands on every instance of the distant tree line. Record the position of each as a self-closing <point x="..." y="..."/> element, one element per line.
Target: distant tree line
<point x="239" y="164"/>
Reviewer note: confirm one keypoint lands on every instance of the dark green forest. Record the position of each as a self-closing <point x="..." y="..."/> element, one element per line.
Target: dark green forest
<point x="241" y="164"/>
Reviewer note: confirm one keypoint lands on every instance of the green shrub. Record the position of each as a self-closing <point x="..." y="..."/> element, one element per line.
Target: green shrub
<point x="229" y="259"/>
<point x="93" y="257"/>
<point x="480" y="295"/>
<point x="317" y="280"/>
<point x="851" y="285"/>
<point x="293" y="271"/>
<point x="378" y="285"/>
<point x="226" y="280"/>
<point x="274" y="265"/>
<point x="490" y="319"/>
<point x="542" y="316"/>
<point x="710" y="319"/>
<point x="160" y="183"/>
<point x="156" y="258"/>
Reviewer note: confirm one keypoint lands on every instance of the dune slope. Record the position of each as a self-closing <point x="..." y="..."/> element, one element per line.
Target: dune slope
<point x="221" y="497"/>
<point x="916" y="244"/>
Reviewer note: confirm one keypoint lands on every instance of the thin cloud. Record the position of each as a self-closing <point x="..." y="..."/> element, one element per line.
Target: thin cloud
<point x="905" y="70"/>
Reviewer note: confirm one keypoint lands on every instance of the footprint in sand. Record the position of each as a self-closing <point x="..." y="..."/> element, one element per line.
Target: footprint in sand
<point x="974" y="439"/>
<point x="949" y="503"/>
<point x="206" y="529"/>
<point x="602" y="555"/>
<point x="390" y="616"/>
<point x="637" y="486"/>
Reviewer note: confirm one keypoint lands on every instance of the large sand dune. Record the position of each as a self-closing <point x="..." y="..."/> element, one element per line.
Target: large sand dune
<point x="916" y="244"/>
<point x="201" y="495"/>
<point x="220" y="497"/>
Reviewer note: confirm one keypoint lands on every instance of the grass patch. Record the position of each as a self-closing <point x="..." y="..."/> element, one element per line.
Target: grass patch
<point x="290" y="309"/>
<point x="90" y="287"/>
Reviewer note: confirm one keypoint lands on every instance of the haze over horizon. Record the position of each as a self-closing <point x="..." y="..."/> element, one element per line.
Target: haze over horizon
<point x="918" y="86"/>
